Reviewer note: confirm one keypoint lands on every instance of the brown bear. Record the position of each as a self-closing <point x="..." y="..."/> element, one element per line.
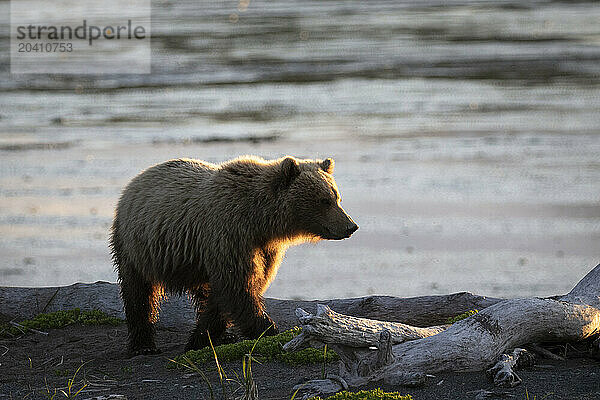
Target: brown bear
<point x="218" y="232"/>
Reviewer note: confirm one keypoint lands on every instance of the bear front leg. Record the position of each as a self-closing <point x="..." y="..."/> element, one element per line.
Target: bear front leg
<point x="245" y="307"/>
<point x="251" y="317"/>
<point x="140" y="300"/>
<point x="208" y="321"/>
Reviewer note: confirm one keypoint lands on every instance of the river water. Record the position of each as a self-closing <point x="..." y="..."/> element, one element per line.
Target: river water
<point x="466" y="137"/>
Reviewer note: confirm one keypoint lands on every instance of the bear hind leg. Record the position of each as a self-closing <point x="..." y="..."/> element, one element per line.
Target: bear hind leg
<point x="141" y="300"/>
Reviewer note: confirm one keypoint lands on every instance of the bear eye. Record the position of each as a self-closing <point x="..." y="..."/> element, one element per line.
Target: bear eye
<point x="326" y="202"/>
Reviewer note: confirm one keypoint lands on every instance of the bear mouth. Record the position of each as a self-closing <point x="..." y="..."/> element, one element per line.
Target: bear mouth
<point x="329" y="235"/>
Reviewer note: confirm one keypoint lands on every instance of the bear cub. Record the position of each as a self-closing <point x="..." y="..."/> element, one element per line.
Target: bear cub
<point x="219" y="233"/>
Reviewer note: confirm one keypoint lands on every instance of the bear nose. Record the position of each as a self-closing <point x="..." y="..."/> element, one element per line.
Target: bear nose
<point x="351" y="229"/>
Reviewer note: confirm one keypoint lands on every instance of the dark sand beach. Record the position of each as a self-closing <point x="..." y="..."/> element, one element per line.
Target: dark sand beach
<point x="28" y="362"/>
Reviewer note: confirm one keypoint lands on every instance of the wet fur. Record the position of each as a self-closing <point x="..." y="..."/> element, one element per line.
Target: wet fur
<point x="218" y="232"/>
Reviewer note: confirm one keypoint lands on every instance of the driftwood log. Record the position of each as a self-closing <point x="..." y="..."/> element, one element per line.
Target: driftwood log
<point x="372" y="350"/>
<point x="177" y="312"/>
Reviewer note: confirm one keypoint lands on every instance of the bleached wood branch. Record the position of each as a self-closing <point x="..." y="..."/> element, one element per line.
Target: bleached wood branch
<point x="351" y="331"/>
<point x="503" y="372"/>
<point x="475" y="343"/>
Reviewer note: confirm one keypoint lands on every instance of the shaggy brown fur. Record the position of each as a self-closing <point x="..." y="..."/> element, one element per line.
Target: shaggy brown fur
<point x="218" y="232"/>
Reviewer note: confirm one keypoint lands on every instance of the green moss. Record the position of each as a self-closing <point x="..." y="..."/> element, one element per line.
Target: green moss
<point x="268" y="348"/>
<point x="375" y="394"/>
<point x="60" y="319"/>
<point x="307" y="356"/>
<point x="462" y="316"/>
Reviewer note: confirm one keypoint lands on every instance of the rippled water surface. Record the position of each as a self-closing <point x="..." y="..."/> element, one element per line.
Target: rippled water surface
<point x="466" y="137"/>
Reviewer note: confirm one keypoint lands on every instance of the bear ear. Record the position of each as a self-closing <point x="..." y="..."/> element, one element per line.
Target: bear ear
<point x="327" y="165"/>
<point x="289" y="171"/>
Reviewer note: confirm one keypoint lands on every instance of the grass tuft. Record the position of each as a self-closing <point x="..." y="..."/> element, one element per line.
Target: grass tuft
<point x="375" y="394"/>
<point x="462" y="316"/>
<point x="269" y="348"/>
<point x="60" y="319"/>
<point x="71" y="391"/>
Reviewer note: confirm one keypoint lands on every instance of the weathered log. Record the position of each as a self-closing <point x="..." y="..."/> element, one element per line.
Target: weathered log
<point x="353" y="331"/>
<point x="420" y="311"/>
<point x="177" y="313"/>
<point x="474" y="343"/>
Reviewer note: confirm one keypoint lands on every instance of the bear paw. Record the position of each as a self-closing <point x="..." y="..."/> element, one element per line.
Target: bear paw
<point x="267" y="328"/>
<point x="144" y="351"/>
<point x="199" y="341"/>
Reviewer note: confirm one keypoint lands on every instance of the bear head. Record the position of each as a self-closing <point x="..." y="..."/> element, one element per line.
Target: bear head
<point x="313" y="200"/>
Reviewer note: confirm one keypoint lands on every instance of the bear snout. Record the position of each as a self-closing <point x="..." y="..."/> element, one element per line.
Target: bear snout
<point x="339" y="232"/>
<point x="346" y="227"/>
<point x="351" y="229"/>
<point x="342" y="231"/>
